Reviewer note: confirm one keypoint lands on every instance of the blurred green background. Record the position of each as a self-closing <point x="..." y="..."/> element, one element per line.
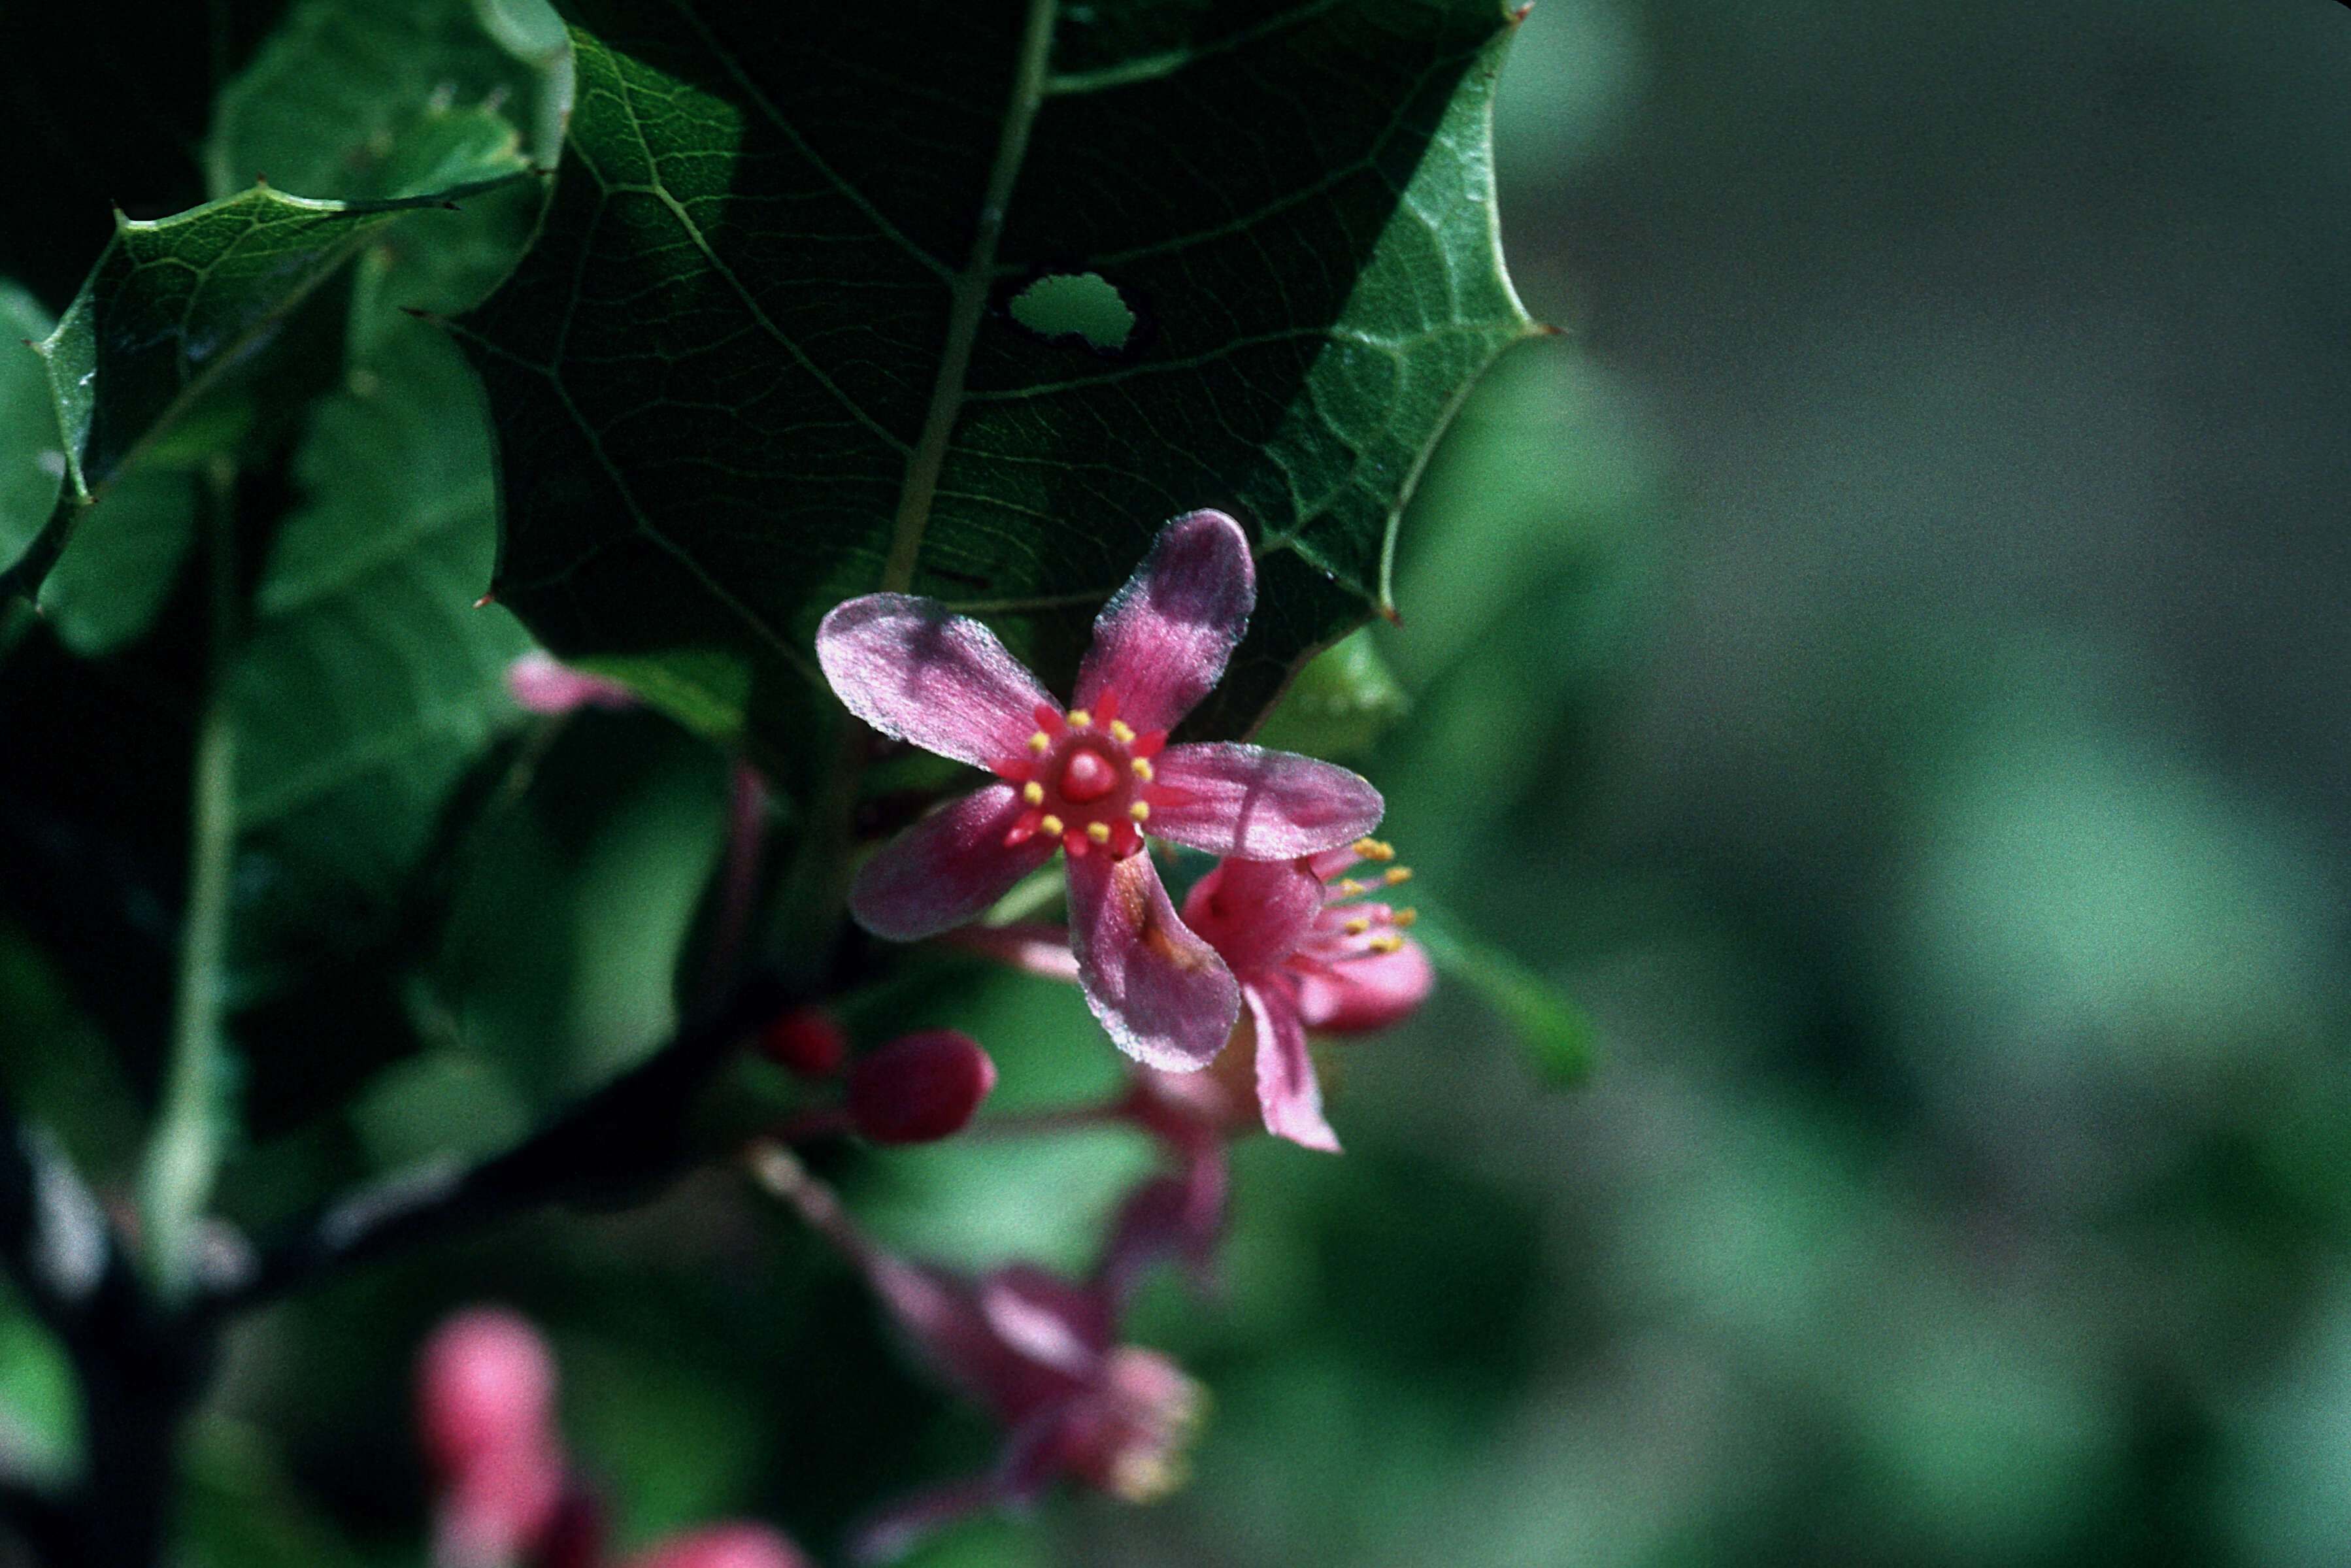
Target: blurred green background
<point x="1885" y="665"/>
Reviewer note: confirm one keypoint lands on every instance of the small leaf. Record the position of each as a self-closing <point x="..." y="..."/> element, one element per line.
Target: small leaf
<point x="1556" y="1037"/>
<point x="1340" y="704"/>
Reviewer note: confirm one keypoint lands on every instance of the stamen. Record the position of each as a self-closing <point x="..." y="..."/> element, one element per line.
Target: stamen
<point x="1399" y="873"/>
<point x="1356" y="928"/>
<point x="1139" y="810"/>
<point x="1141" y="769"/>
<point x="1348" y="887"/>
<point x="1120" y="732"/>
<point x="1373" y="849"/>
<point x="1032" y="791"/>
<point x="1404" y="917"/>
<point x="1040" y="741"/>
<point x="1080" y="718"/>
<point x="1098" y="832"/>
<point x="1384" y="943"/>
<point x="1049" y="825"/>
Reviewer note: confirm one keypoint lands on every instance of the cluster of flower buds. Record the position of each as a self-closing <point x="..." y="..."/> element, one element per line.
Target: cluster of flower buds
<point x="506" y="1493"/>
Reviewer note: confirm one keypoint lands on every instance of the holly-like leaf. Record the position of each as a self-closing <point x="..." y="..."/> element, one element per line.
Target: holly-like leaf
<point x="968" y="300"/>
<point x="168" y="339"/>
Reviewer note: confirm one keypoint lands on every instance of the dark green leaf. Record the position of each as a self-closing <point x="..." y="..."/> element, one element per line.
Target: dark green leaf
<point x="371" y="679"/>
<point x="773" y="348"/>
<point x="1556" y="1037"/>
<point x="120" y="561"/>
<point x="30" y="464"/>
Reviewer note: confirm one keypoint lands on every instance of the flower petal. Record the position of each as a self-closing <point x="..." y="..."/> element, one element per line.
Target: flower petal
<point x="1163" y="993"/>
<point x="1244" y="800"/>
<point x="1285" y="1090"/>
<point x="1254" y="913"/>
<point x="1367" y="993"/>
<point x="915" y="672"/>
<point x="1163" y="639"/>
<point x="948" y="868"/>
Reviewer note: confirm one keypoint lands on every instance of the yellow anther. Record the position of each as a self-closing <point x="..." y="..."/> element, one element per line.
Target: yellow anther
<point x="1385" y="943"/>
<point x="1397" y="873"/>
<point x="1120" y="732"/>
<point x="1098" y="832"/>
<point x="1080" y="718"/>
<point x="1356" y="927"/>
<point x="1039" y="742"/>
<point x="1050" y="827"/>
<point x="1139" y="810"/>
<point x="1141" y="766"/>
<point x="1373" y="849"/>
<point x="1033" y="793"/>
<point x="1404" y="917"/>
<point x="1349" y="887"/>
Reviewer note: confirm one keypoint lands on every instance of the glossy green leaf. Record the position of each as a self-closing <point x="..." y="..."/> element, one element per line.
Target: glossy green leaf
<point x="166" y="348"/>
<point x="785" y="336"/>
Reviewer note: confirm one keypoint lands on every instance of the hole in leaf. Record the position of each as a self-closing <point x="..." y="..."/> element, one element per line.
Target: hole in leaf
<point x="1080" y="309"/>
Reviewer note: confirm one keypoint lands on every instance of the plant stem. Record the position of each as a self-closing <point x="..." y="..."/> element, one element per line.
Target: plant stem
<point x="183" y="1156"/>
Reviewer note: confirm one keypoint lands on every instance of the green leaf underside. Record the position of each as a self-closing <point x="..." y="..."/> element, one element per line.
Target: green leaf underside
<point x="729" y="372"/>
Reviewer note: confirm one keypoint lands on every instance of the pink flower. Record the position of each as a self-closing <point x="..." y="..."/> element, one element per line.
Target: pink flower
<point x="1308" y="957"/>
<point x="1090" y="779"/>
<point x="1041" y="1352"/>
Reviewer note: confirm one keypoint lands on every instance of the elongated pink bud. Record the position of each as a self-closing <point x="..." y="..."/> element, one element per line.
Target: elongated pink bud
<point x="920" y="1087"/>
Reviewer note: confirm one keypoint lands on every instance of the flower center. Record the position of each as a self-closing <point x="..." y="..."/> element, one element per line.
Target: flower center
<point x="1087" y="776"/>
<point x="1086" y="779"/>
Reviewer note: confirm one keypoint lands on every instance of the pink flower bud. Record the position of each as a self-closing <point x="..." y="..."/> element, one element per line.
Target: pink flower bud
<point x="486" y="1411"/>
<point x="805" y="1039"/>
<point x="732" y="1545"/>
<point x="540" y="682"/>
<point x="485" y="1386"/>
<point x="920" y="1087"/>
